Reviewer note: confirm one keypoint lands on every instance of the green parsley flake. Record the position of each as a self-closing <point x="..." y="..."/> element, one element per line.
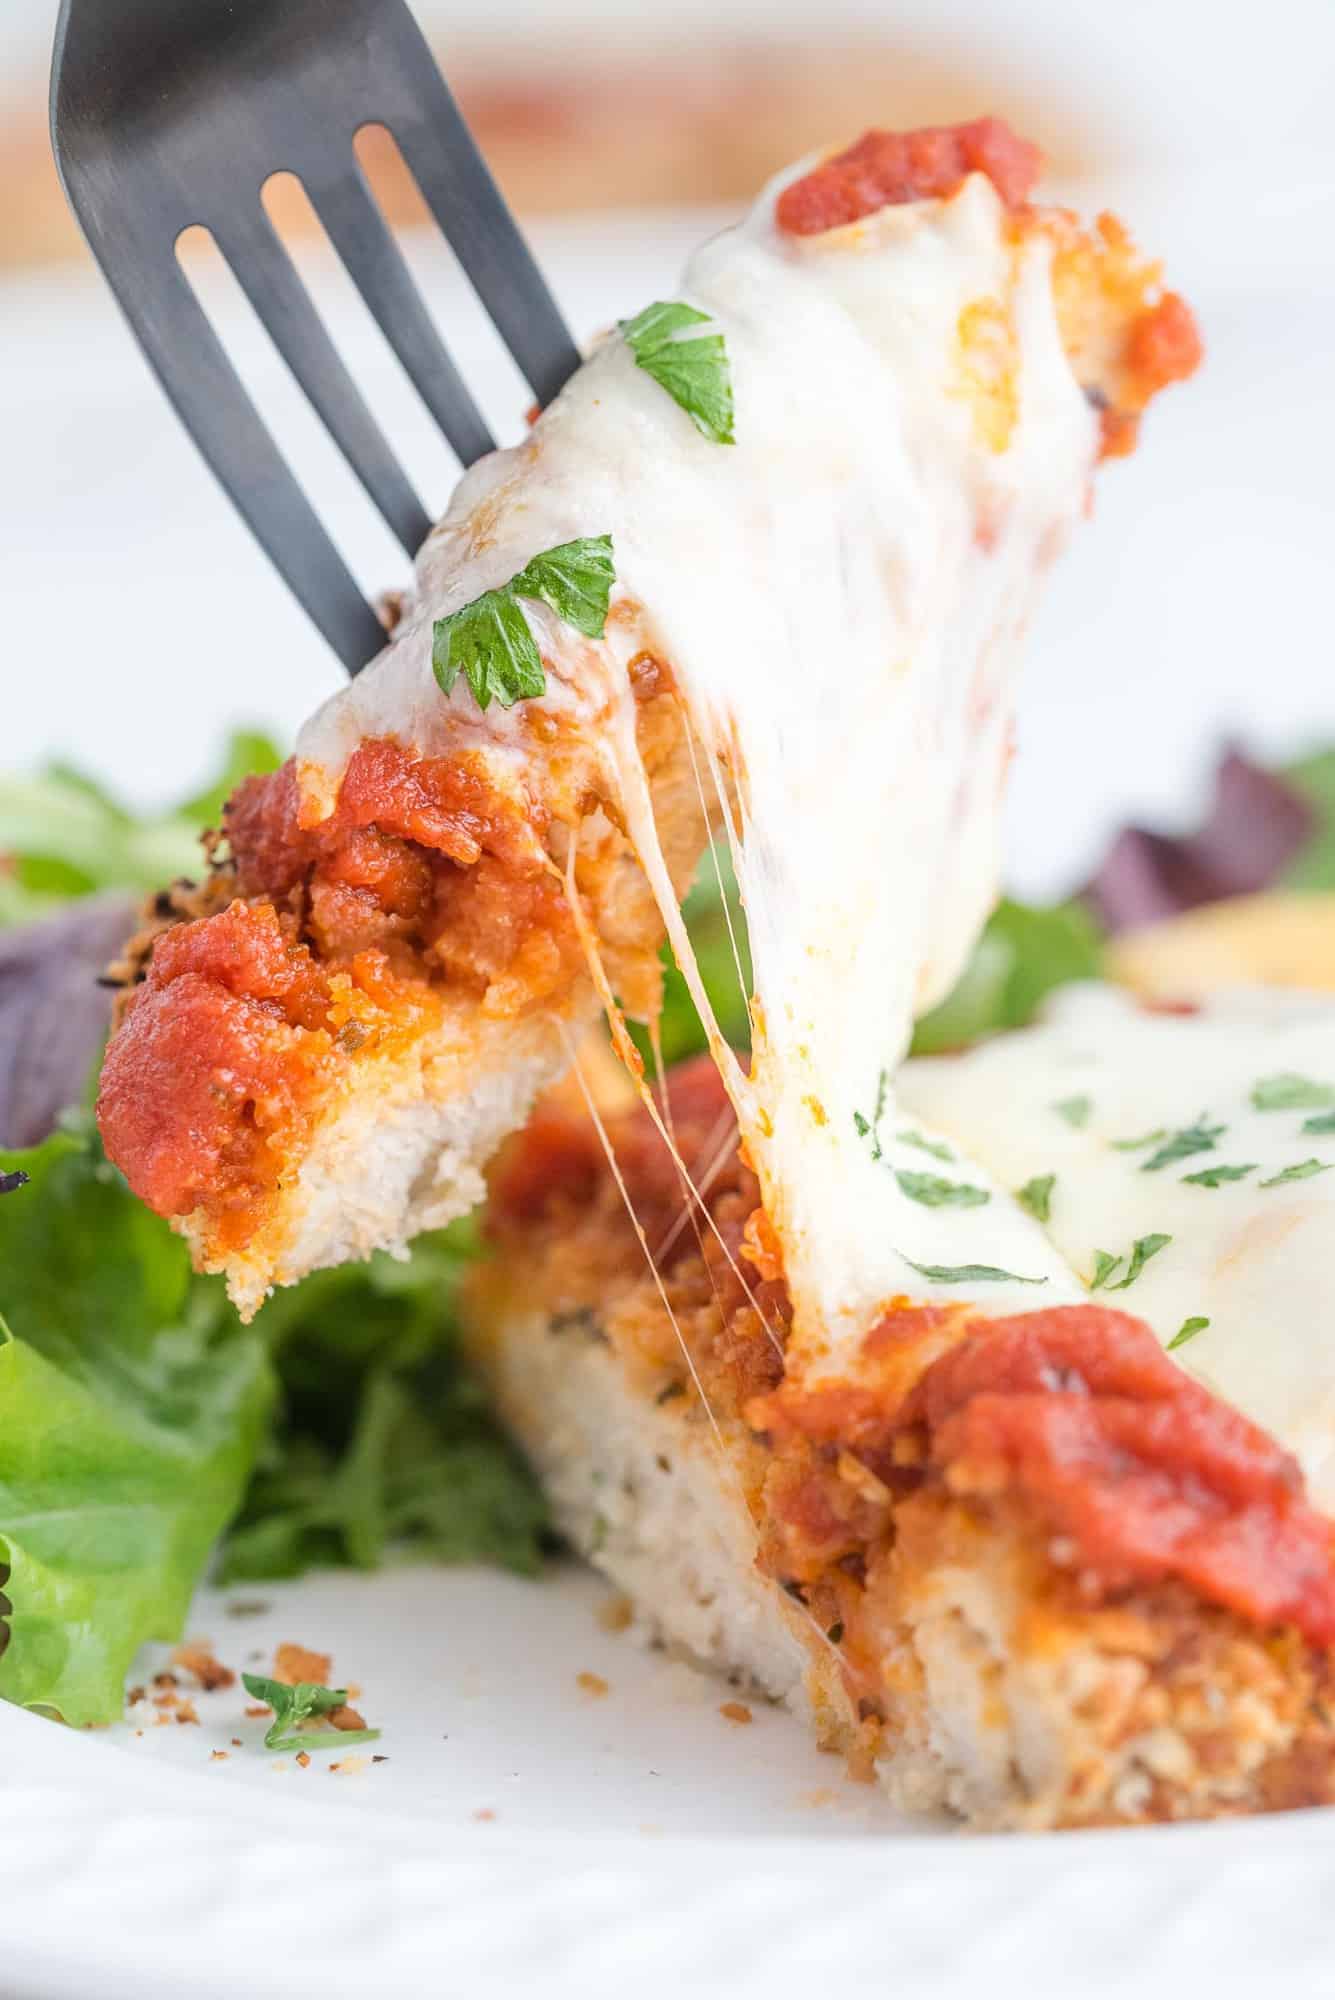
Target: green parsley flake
<point x="1136" y="1145"/>
<point x="306" y="1702"/>
<point x="1213" y="1177"/>
<point x="1302" y="1172"/>
<point x="969" y="1274"/>
<point x="1187" y="1331"/>
<point x="1197" y="1138"/>
<point x="925" y="1145"/>
<point x="1104" y="1266"/>
<point x="1075" y="1110"/>
<point x="866" y="1129"/>
<point x="1142" y="1250"/>
<point x="1036" y="1196"/>
<point x="934" y="1192"/>
<point x="870" y="1128"/>
<point x="694" y="371"/>
<point x="490" y="641"/>
<point x="1287" y="1092"/>
<point x="1325" y="1122"/>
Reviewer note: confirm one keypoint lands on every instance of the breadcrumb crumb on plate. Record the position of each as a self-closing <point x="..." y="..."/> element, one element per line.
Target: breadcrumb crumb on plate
<point x="293" y="1663"/>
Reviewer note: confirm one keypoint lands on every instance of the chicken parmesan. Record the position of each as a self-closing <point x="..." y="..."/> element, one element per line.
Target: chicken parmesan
<point x="963" y="1403"/>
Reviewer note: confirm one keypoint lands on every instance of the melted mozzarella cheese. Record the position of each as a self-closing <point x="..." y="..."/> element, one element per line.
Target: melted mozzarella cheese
<point x="1255" y="1260"/>
<point x="842" y="598"/>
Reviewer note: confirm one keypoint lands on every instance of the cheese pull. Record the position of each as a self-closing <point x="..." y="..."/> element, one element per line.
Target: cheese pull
<point x="828" y="486"/>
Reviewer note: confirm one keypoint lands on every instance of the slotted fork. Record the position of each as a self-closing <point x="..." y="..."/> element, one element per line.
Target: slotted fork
<point x="170" y="113"/>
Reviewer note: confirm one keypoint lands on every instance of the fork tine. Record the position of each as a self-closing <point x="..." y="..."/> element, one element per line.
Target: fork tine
<point x="270" y="281"/>
<point x="469" y="207"/>
<point x="358" y="231"/>
<point x="208" y="395"/>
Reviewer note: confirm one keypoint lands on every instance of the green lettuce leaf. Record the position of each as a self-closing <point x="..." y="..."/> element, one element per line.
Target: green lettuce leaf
<point x="1314" y="778"/>
<point x="62" y="834"/>
<point x="132" y="1406"/>
<point x="1023" y="954"/>
<point x="713" y="902"/>
<point x="386" y="1444"/>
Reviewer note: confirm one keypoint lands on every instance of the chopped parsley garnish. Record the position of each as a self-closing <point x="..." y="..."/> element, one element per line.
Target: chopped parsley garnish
<point x="925" y="1145"/>
<point x="1142" y="1250"/>
<point x="1197" y="1138"/>
<point x="969" y="1274"/>
<point x="872" y="1127"/>
<point x="694" y="371"/>
<point x="11" y="1183"/>
<point x="934" y="1192"/>
<point x="490" y="641"/>
<point x="1075" y="1110"/>
<point x="1324" y="1122"/>
<point x="1288" y="1092"/>
<point x="1136" y="1145"/>
<point x="1105" y="1264"/>
<point x="1036" y="1196"/>
<point x="306" y="1702"/>
<point x="1302" y="1172"/>
<point x="1188" y="1331"/>
<point x="1213" y="1177"/>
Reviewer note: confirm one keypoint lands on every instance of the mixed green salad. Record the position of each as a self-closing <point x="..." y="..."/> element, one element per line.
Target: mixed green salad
<point x="145" y="1435"/>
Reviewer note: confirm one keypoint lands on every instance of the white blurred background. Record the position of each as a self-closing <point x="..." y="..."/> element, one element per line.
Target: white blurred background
<point x="140" y="621"/>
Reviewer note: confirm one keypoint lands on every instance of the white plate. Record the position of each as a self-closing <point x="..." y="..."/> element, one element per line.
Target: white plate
<point x="641" y="1842"/>
<point x="639" y="1839"/>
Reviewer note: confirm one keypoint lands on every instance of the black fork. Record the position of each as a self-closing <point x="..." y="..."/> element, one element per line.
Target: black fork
<point x="170" y="113"/>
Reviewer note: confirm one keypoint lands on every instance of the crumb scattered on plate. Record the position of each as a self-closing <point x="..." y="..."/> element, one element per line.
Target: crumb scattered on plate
<point x="298" y="1663"/>
<point x="616" y="1613"/>
<point x="197" y="1657"/>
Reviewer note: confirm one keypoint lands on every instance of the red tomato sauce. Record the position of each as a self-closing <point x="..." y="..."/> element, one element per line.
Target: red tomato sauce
<point x="423" y="875"/>
<point x="1150" y="1477"/>
<point x="884" y="169"/>
<point x="1133" y="1471"/>
<point x="561" y="1156"/>
<point x="1164" y="345"/>
<point x="223" y="1042"/>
